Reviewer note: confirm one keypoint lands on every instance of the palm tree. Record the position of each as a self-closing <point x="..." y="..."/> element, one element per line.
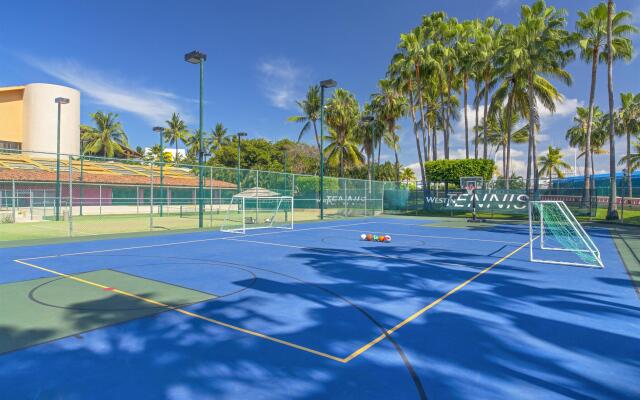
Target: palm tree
<point x="629" y="118"/>
<point x="497" y="127"/>
<point x="157" y="154"/>
<point x="466" y="65"/>
<point x="310" y="108"/>
<point x="176" y="132"/>
<point x="389" y="106"/>
<point x="407" y="175"/>
<point x="591" y="36"/>
<point x="621" y="50"/>
<point x="577" y="134"/>
<point x="540" y="51"/>
<point x="632" y="160"/>
<point x="404" y="72"/>
<point x="553" y="162"/>
<point x="218" y="137"/>
<point x="343" y="115"/>
<point x="107" y="137"/>
<point x="487" y="43"/>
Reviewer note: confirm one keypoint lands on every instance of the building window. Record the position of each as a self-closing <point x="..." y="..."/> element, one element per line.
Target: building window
<point x="5" y="145"/>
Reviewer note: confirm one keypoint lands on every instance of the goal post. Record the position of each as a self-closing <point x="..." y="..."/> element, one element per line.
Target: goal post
<point x="258" y="212"/>
<point x="556" y="237"/>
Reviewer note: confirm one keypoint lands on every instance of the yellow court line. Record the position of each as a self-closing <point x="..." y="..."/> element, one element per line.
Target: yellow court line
<point x="185" y="312"/>
<point x="430" y="306"/>
<point x="353" y="355"/>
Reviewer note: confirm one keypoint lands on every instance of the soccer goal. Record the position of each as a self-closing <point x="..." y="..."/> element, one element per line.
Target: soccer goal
<point x="247" y="212"/>
<point x="556" y="237"/>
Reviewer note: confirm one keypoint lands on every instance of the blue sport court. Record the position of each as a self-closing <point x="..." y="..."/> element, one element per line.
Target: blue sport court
<point x="440" y="312"/>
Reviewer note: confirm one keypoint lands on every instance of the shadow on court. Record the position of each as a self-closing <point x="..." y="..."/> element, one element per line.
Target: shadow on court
<point x="519" y="331"/>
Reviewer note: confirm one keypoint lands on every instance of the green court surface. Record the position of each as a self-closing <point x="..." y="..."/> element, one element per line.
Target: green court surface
<point x="116" y="224"/>
<point x="627" y="240"/>
<point x="42" y="310"/>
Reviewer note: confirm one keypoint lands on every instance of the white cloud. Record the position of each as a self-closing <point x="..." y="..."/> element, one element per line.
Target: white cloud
<point x="564" y="108"/>
<point x="280" y="82"/>
<point x="152" y="104"/>
<point x="415" y="167"/>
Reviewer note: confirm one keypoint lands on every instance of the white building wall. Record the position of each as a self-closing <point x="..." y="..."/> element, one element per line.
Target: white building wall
<point x="40" y="118"/>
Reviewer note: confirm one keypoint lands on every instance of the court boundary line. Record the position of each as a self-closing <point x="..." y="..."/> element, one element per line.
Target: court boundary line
<point x="346" y="359"/>
<point x="179" y="242"/>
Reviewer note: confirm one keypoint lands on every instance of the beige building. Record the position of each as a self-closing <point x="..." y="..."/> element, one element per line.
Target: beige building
<point x="29" y="118"/>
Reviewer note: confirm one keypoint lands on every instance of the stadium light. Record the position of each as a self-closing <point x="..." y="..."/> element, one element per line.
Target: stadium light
<point x="239" y="135"/>
<point x="325" y="84"/>
<point x="60" y="101"/>
<point x="196" y="57"/>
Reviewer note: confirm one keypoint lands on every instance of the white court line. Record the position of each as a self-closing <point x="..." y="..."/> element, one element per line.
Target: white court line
<point x="431" y="236"/>
<point x="234" y="237"/>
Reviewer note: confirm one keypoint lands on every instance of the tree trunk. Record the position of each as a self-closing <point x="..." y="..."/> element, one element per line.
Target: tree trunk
<point x="466" y="120"/>
<point x="415" y="132"/>
<point x="444" y="118"/>
<point x="476" y="127"/>
<point x="427" y="144"/>
<point x="504" y="162"/>
<point x="612" y="212"/>
<point x="485" y="113"/>
<point x="421" y="104"/>
<point x="532" y="107"/>
<point x="315" y="131"/>
<point x="587" y="144"/>
<point x="629" y="183"/>
<point x="434" y="142"/>
<point x="395" y="153"/>
<point x="447" y="120"/>
<point x="509" y="115"/>
<point x="536" y="173"/>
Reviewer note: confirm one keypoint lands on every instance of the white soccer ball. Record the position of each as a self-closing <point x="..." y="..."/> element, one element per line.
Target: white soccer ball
<point x="363" y="237"/>
<point x="387" y="238"/>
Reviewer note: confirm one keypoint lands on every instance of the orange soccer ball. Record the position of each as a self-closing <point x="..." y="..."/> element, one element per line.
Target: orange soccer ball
<point x="381" y="238"/>
<point x="369" y="237"/>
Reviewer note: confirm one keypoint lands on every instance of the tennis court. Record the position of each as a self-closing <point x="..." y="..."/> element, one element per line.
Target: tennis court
<point x="443" y="311"/>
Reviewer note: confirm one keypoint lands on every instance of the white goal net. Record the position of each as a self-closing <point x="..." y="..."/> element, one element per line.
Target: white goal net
<point x="246" y="212"/>
<point x="556" y="237"/>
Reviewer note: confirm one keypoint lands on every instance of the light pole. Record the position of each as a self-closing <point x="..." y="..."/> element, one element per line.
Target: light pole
<point x="160" y="131"/>
<point x="326" y="84"/>
<point x="60" y="101"/>
<point x="239" y="135"/>
<point x="196" y="57"/>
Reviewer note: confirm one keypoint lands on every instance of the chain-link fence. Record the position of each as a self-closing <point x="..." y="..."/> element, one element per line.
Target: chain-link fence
<point x="86" y="196"/>
<point x="43" y="198"/>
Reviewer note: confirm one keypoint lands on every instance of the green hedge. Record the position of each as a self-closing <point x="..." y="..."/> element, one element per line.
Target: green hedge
<point x="452" y="170"/>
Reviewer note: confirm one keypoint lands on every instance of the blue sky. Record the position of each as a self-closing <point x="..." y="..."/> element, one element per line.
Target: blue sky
<point x="127" y="57"/>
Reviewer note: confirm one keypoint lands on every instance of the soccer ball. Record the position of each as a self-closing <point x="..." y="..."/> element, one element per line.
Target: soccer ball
<point x="387" y="238"/>
<point x="363" y="237"/>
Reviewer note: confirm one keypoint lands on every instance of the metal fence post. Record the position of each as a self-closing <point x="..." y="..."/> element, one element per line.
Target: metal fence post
<point x="210" y="197"/>
<point x="100" y="197"/>
<point x="70" y="201"/>
<point x="13" y="200"/>
<point x="151" y="202"/>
